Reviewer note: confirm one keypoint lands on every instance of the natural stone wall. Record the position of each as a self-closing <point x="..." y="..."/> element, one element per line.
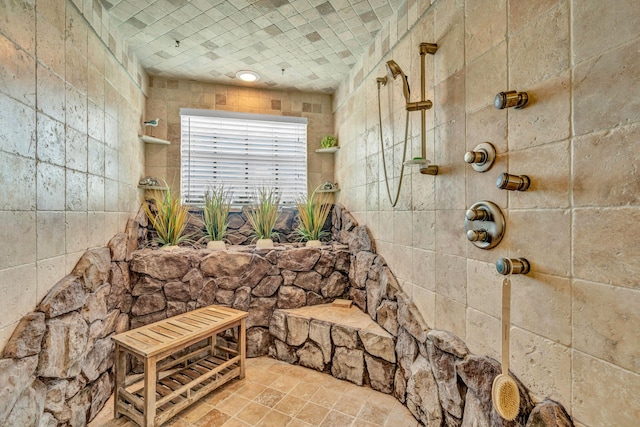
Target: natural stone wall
<point x="57" y="367"/>
<point x="166" y="283"/>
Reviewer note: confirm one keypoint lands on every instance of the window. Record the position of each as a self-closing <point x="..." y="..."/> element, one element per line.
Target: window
<point x="242" y="151"/>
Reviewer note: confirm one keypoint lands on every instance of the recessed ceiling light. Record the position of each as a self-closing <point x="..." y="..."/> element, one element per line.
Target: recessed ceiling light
<point x="248" y="76"/>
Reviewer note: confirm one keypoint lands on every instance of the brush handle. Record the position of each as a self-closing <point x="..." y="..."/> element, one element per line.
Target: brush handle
<point x="506" y="323"/>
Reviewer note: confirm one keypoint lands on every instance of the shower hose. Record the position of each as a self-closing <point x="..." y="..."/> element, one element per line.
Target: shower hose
<point x="394" y="200"/>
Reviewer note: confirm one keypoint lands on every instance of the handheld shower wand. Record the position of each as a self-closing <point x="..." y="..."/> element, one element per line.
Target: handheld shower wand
<point x="394" y="70"/>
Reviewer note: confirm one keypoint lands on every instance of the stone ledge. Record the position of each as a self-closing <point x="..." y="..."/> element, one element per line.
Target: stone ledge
<point x="344" y="342"/>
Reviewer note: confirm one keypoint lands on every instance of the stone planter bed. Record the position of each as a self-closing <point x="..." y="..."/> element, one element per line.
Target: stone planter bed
<point x="59" y="359"/>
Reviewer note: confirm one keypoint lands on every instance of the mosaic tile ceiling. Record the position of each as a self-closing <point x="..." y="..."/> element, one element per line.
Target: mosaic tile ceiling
<point x="308" y="45"/>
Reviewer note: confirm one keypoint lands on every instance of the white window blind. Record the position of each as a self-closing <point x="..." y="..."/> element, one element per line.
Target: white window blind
<point x="242" y="151"/>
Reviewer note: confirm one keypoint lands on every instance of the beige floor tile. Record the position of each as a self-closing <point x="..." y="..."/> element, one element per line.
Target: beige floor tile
<point x="304" y="390"/>
<point x="232" y="404"/>
<point x="312" y="413"/>
<point x="274" y="419"/>
<point x="234" y="422"/>
<point x="252" y="413"/>
<point x="349" y="405"/>
<point x="285" y="383"/>
<point x="338" y="419"/>
<point x="362" y="423"/>
<point x="400" y="416"/>
<point x="290" y="405"/>
<point x="194" y="412"/>
<point x="250" y="390"/>
<point x="216" y="396"/>
<point x="269" y="397"/>
<point x="262" y="376"/>
<point x="298" y="423"/>
<point x="374" y="414"/>
<point x="212" y="418"/>
<point x="325" y="397"/>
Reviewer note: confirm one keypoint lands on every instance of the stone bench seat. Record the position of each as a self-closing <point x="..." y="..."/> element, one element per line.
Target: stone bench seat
<point x="344" y="342"/>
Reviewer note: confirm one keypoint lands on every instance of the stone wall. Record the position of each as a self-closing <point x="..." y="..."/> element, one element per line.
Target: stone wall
<point x="57" y="367"/>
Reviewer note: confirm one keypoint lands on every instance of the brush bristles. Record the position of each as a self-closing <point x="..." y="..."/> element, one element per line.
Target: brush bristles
<point x="506" y="397"/>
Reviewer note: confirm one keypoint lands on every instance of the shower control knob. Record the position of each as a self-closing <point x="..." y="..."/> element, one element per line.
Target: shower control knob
<point x="507" y="266"/>
<point x="475" y="157"/>
<point x="478" y="236"/>
<point x="511" y="98"/>
<point x="482" y="157"/>
<point x="509" y="182"/>
<point x="478" y="215"/>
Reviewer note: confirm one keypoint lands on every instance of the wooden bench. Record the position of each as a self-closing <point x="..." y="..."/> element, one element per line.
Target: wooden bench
<point x="171" y="382"/>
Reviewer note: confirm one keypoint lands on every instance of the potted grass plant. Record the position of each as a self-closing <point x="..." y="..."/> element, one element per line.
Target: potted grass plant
<point x="217" y="203"/>
<point x="262" y="216"/>
<point x="313" y="212"/>
<point x="170" y="219"/>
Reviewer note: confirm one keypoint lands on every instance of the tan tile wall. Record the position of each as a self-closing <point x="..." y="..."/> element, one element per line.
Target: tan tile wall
<point x="575" y="318"/>
<point x="70" y="159"/>
<point x="166" y="97"/>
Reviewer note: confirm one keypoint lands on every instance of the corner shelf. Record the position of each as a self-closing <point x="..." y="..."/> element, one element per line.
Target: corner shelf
<point x="327" y="150"/>
<point x="153" y="140"/>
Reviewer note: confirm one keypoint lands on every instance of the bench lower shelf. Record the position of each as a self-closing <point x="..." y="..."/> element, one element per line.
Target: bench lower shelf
<point x="178" y="387"/>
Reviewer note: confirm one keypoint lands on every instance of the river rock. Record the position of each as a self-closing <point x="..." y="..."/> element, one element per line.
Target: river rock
<point x="325" y="264"/>
<point x="67" y="295"/>
<point x="308" y="280"/>
<point x="267" y="286"/>
<point x="297" y="330"/>
<point x="335" y="285"/>
<point x="94" y="267"/>
<point x="410" y="319"/>
<point x="344" y="336"/>
<point x="26" y="339"/>
<point x="177" y="291"/>
<point x="348" y="364"/>
<point x="311" y="356"/>
<point x="387" y="315"/>
<point x="448" y="342"/>
<point x="258" y="342"/>
<point x="363" y="261"/>
<point x="378" y="345"/>
<point x="29" y="406"/>
<point x="242" y="298"/>
<point x="100" y="393"/>
<point x="63" y="346"/>
<point x="300" y="259"/>
<point x="549" y="414"/>
<point x="161" y="264"/>
<point x="422" y="394"/>
<point x="278" y="325"/>
<point x="15" y="375"/>
<point x="451" y="393"/>
<point x="95" y="306"/>
<point x="291" y="297"/>
<point x="320" y="333"/>
<point x="381" y="373"/>
<point x="148" y="303"/>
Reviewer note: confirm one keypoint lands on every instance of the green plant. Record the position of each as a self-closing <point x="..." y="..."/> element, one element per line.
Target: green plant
<point x="217" y="202"/>
<point x="328" y="141"/>
<point x="262" y="215"/>
<point x="313" y="212"/>
<point x="170" y="219"/>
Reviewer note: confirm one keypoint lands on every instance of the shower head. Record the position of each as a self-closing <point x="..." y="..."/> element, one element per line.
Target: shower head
<point x="394" y="70"/>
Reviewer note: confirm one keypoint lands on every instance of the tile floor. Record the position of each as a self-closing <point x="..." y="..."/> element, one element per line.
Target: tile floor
<point x="275" y="394"/>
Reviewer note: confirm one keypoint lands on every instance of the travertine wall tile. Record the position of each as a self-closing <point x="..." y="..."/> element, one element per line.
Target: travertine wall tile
<point x="424" y="267"/>
<point x="486" y="76"/>
<point x="605" y="245"/>
<point x="484" y="287"/>
<point x="544" y="365"/>
<point x="598" y="26"/>
<point x="483" y="333"/>
<point x="542" y="304"/>
<point x="594" y="330"/>
<point x="450" y="233"/>
<point x="18" y="286"/>
<point x="595" y="380"/>
<point x="451" y="316"/>
<point x="523" y="13"/>
<point x="485" y="26"/>
<point x="20" y="226"/>
<point x="610" y="75"/>
<point x="616" y="153"/>
<point x="541" y="50"/>
<point x="50" y="234"/>
<point x="450" y="277"/>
